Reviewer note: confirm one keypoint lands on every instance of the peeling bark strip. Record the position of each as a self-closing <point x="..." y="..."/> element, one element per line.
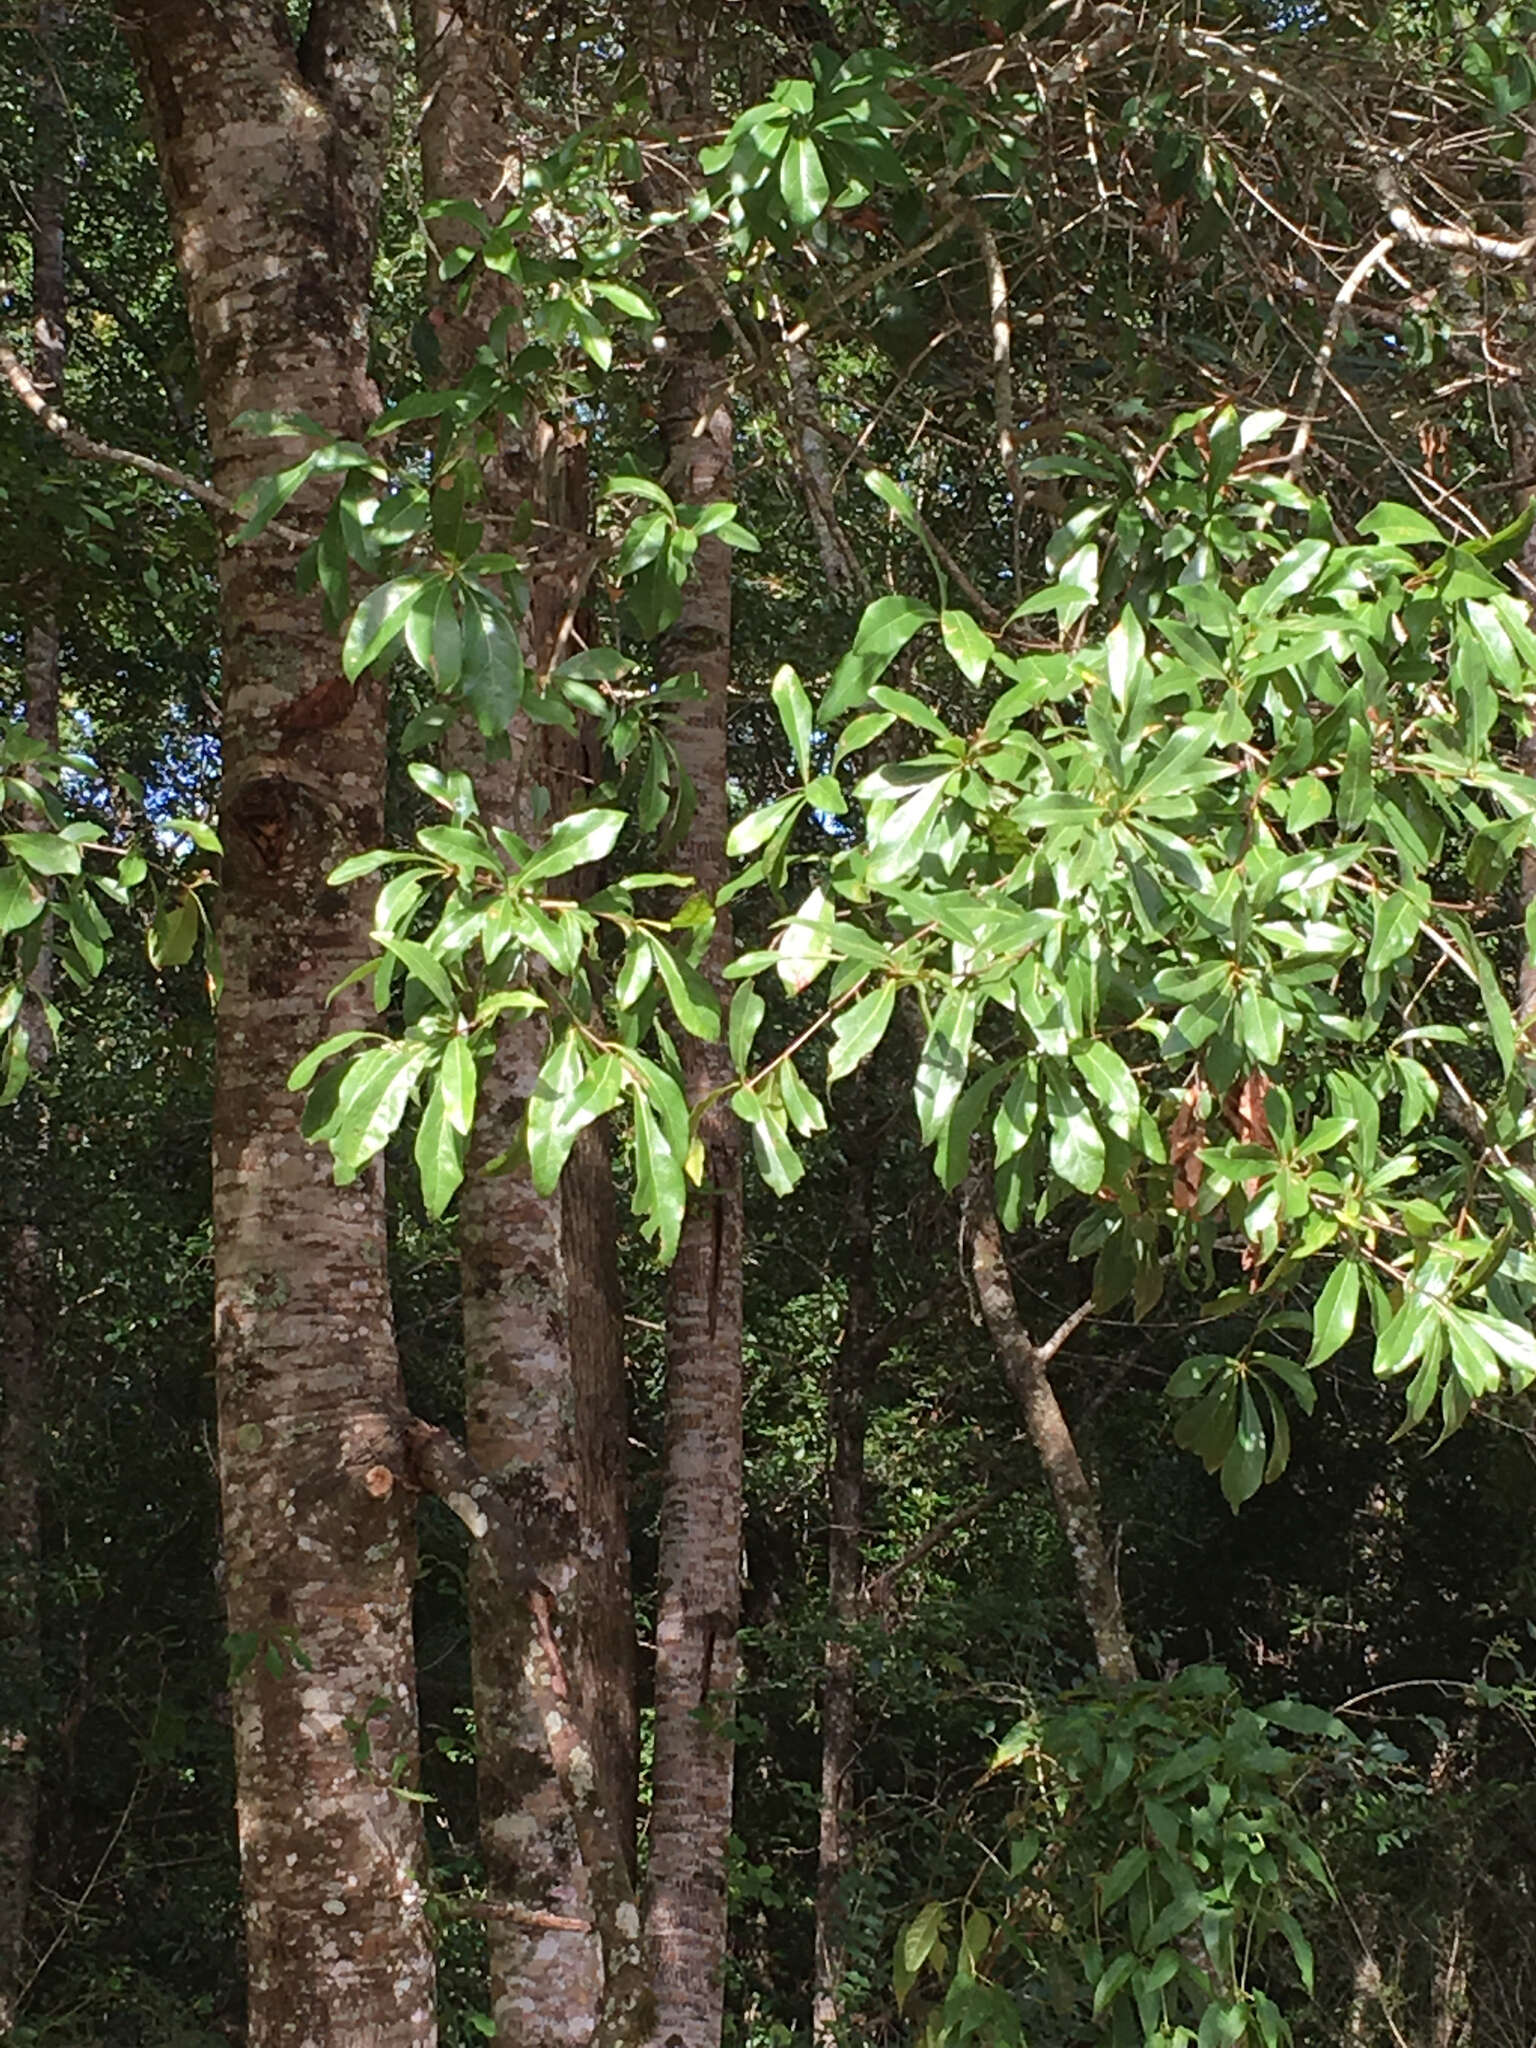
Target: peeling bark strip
<point x="545" y="1395"/>
<point x="699" y="1561"/>
<point x="1025" y="1365"/>
<point x="271" y="156"/>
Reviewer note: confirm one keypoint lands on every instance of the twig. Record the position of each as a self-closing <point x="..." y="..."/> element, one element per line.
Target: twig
<point x="17" y="377"/>
<point x="75" y="1907"/>
<point x="878" y="1591"/>
<point x="1375" y="255"/>
<point x="1002" y="381"/>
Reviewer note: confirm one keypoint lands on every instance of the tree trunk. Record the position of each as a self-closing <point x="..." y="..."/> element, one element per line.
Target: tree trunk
<point x="24" y="1262"/>
<point x="699" y="1561"/>
<point x="272" y="157"/>
<point x="545" y="1399"/>
<point x="847" y="1401"/>
<point x="1025" y="1365"/>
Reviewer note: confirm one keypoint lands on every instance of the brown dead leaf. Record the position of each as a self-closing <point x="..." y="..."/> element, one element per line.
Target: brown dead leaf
<point x="1184" y="1142"/>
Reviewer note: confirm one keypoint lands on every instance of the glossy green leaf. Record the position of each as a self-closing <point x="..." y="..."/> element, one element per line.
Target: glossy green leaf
<point x="439" y="1153"/>
<point x="378" y="621"/>
<point x="457" y="1084"/>
<point x="859" y="1029"/>
<point x="1333" y="1319"/>
<point x="803" y="181"/>
<point x="45" y="853"/>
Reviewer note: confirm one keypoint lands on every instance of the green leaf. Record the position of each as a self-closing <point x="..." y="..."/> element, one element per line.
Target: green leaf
<point x="173" y="935"/>
<point x="1353" y="804"/>
<point x="458" y="1083"/>
<point x="21" y="900"/>
<point x="777" y="1160"/>
<point x="465" y="850"/>
<point x="803" y="181"/>
<point x="567" y="1096"/>
<point x="1077" y="1145"/>
<point x="317" y="1056"/>
<point x="794" y="709"/>
<point x="692" y="999"/>
<point x="360" y="864"/>
<point x="423" y="965"/>
<point x="759" y="826"/>
<point x="1242" y="1469"/>
<point x="378" y="621"/>
<point x="921" y="1937"/>
<point x="200" y="834"/>
<point x="967" y="646"/>
<point x="747" y="1012"/>
<point x="1400" y="526"/>
<point x="942" y="1064"/>
<point x="1112" y="1082"/>
<point x="439" y="1151"/>
<point x="1126" y="1872"/>
<point x="661" y="1189"/>
<point x="1121" y="1970"/>
<point x="859" y="1030"/>
<point x="637" y="305"/>
<point x="883" y="631"/>
<point x="45" y="853"/>
<point x="628" y="486"/>
<point x="371" y="1103"/>
<point x="576" y="842"/>
<point x="1395" y="928"/>
<point x="807" y="944"/>
<point x="1333" y="1319"/>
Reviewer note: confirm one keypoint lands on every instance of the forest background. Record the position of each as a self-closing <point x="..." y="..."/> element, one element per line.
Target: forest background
<point x="840" y="480"/>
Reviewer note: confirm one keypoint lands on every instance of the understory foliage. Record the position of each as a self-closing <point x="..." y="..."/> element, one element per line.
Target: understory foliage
<point x="1130" y="741"/>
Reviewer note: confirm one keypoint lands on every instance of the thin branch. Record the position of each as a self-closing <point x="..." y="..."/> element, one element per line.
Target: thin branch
<point x="1002" y="381"/>
<point x="20" y="381"/>
<point x="1369" y="262"/>
<point x="1407" y="224"/>
<point x="878" y="1591"/>
<point x="1045" y="1352"/>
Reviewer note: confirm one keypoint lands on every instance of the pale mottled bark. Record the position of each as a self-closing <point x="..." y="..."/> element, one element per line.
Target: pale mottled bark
<point x="847" y="1401"/>
<point x="699" y="1562"/>
<point x="271" y="157"/>
<point x="1025" y="1365"/>
<point x="24" y="1258"/>
<point x="497" y="1520"/>
<point x="545" y="1399"/>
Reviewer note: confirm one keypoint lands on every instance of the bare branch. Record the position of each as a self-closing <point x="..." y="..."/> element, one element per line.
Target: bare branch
<point x="1045" y="1352"/>
<point x="878" y="1591"/>
<point x="21" y="383"/>
<point x="1369" y="262"/>
<point x="1002" y="381"/>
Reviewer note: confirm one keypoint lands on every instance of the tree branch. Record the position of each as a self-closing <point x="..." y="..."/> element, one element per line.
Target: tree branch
<point x="17" y="376"/>
<point x="1374" y="256"/>
<point x="1024" y="1366"/>
<point x="878" y="1591"/>
<point x="1002" y="381"/>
